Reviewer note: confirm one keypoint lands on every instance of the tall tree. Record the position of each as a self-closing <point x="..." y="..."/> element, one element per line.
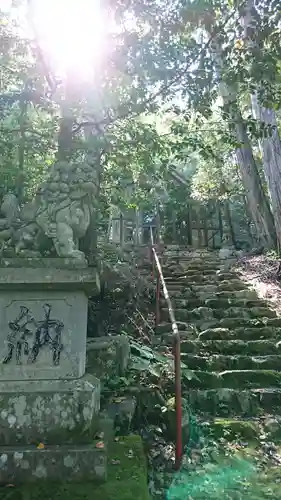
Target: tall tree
<point x="257" y="33"/>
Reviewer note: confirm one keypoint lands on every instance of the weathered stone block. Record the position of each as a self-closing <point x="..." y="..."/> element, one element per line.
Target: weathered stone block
<point x="22" y="276"/>
<point x="43" y="321"/>
<point x="62" y="463"/>
<point x="108" y="356"/>
<point x="42" y="335"/>
<point x="48" y="411"/>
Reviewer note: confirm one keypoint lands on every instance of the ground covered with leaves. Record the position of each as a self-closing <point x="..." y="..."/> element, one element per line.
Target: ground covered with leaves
<point x="263" y="274"/>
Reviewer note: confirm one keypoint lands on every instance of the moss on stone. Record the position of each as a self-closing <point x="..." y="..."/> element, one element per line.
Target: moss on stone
<point x="231" y="429"/>
<point x="239" y="322"/>
<point x="230" y="347"/>
<point x="235" y="379"/>
<point x="244" y="379"/>
<point x="262" y="312"/>
<point x="127" y="479"/>
<point x="226" y="402"/>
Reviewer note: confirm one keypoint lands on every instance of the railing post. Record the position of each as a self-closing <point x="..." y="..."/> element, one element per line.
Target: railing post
<point x="177" y="358"/>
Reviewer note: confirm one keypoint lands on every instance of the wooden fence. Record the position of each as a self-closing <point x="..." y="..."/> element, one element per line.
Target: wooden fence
<point x="199" y="226"/>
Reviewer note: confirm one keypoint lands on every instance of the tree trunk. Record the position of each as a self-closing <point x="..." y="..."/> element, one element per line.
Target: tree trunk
<point x="258" y="203"/>
<point x="271" y="152"/>
<point x="270" y="146"/>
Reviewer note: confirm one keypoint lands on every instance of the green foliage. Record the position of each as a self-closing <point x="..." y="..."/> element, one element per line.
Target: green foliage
<point x="154" y="106"/>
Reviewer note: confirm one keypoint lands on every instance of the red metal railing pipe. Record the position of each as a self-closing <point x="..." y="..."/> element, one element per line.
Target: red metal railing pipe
<point x="176" y="353"/>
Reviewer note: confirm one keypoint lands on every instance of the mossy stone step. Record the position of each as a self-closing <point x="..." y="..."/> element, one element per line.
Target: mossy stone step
<point x="264" y="332"/>
<point x="246" y="312"/>
<point x="235" y="402"/>
<point x="204" y="312"/>
<point x="186" y="264"/>
<point x="219" y="306"/>
<point x="235" y="379"/>
<point x="191" y="315"/>
<point x="213" y="291"/>
<point x="215" y="303"/>
<point x="233" y="429"/>
<point x="218" y="283"/>
<point x="192" y="269"/>
<point x="184" y="274"/>
<point x="237" y="294"/>
<point x="228" y="281"/>
<point x="209" y="322"/>
<point x="191" y="345"/>
<point x="127" y="479"/>
<point x="248" y="323"/>
<point x="192" y="279"/>
<point x="230" y="347"/>
<point x="223" y="303"/>
<point x="231" y="285"/>
<point x="219" y="362"/>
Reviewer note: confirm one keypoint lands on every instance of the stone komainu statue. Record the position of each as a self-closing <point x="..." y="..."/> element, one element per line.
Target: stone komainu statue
<point x="60" y="212"/>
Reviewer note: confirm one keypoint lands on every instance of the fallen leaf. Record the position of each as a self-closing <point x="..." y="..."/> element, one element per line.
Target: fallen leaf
<point x="100" y="445"/>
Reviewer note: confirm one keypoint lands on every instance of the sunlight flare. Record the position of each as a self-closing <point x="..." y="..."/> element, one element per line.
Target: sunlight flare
<point x="71" y="33"/>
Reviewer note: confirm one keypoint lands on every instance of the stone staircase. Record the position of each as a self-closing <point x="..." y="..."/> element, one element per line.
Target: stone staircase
<point x="229" y="337"/>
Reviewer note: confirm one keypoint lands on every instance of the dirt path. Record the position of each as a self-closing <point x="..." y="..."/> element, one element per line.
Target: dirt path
<point x="260" y="272"/>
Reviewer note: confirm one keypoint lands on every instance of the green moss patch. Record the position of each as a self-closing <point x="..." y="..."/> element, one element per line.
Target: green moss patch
<point x="127" y="479"/>
<point x="231" y="429"/>
<point x="230" y="347"/>
<point x="235" y="379"/>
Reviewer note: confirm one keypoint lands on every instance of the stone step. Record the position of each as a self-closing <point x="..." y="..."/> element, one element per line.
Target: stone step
<point x="265" y="332"/>
<point x="233" y="429"/>
<point x="210" y="287"/>
<point x="224" y="334"/>
<point x="246" y="429"/>
<point x="235" y="402"/>
<point x="197" y="264"/>
<point x="164" y="328"/>
<point x="230" y="347"/>
<point x="251" y="323"/>
<point x="126" y="478"/>
<point x="222" y="303"/>
<point x="214" y="303"/>
<point x="188" y="251"/>
<point x="246" y="294"/>
<point x="185" y="274"/>
<point x="214" y="291"/>
<point x="74" y="463"/>
<point x="206" y="292"/>
<point x="231" y="285"/>
<point x="218" y="362"/>
<point x="194" y="278"/>
<point x="207" y="313"/>
<point x="235" y="379"/>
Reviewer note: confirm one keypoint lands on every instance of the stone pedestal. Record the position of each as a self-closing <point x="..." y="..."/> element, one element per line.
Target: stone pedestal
<point x="45" y="397"/>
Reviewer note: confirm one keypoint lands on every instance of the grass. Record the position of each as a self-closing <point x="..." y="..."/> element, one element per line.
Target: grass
<point x="127" y="479"/>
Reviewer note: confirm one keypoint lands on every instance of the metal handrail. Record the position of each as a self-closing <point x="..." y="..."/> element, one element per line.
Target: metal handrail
<point x="176" y="349"/>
